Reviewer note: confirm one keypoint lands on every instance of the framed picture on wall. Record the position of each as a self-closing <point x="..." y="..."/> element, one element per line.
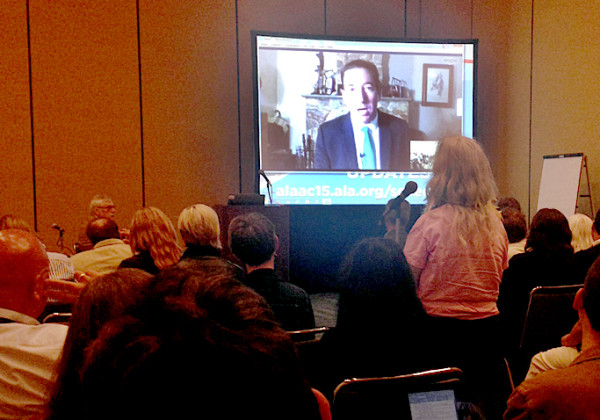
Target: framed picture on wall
<point x="437" y="85"/>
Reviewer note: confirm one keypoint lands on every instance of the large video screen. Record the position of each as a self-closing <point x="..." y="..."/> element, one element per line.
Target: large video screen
<point x="327" y="138"/>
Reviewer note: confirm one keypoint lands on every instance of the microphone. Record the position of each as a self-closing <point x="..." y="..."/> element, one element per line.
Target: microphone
<point x="409" y="188"/>
<point x="55" y="226"/>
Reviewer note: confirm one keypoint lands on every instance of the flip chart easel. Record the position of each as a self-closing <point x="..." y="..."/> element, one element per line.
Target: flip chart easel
<point x="560" y="183"/>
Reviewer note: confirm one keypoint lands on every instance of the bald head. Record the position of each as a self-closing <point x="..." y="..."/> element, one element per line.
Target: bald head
<point x="23" y="272"/>
<point x="102" y="228"/>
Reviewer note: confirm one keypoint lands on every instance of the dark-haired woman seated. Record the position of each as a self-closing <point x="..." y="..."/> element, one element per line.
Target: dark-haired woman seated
<point x="199" y="344"/>
<point x="380" y="318"/>
<point x="548" y="261"/>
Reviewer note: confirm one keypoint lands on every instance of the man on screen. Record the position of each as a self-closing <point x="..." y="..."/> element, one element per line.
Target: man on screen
<point x="364" y="138"/>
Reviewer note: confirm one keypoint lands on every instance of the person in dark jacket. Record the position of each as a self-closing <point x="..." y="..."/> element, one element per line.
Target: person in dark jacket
<point x="548" y="260"/>
<point x="253" y="240"/>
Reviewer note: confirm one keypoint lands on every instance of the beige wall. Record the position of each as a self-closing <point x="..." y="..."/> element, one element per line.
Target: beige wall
<point x="153" y="105"/>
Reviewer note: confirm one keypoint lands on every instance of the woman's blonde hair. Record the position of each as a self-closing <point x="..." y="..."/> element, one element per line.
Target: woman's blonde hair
<point x="581" y="228"/>
<point x="152" y="231"/>
<point x="462" y="177"/>
<point x="199" y="225"/>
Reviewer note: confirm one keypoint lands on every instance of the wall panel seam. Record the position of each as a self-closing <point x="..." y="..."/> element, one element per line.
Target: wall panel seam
<point x="35" y="221"/>
<point x="139" y="52"/>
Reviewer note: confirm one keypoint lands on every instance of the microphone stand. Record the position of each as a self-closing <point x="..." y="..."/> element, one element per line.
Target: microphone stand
<point x="59" y="242"/>
<point x="269" y="186"/>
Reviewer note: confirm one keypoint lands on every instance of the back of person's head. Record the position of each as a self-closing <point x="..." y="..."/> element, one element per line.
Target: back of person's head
<point x="23" y="272"/>
<point x="372" y="273"/>
<point x="462" y="175"/>
<point x="252" y="238"/>
<point x="549" y="233"/>
<point x="152" y="231"/>
<point x="361" y="64"/>
<point x="508" y="202"/>
<point x="106" y="298"/>
<point x="591" y="295"/>
<point x="102" y="228"/>
<point x="8" y="221"/>
<point x="515" y="224"/>
<point x="200" y="341"/>
<point x="199" y="225"/>
<point x="581" y="229"/>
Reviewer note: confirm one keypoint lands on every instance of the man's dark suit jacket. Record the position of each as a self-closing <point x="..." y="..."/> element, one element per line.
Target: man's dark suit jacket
<point x="290" y="303"/>
<point x="335" y="147"/>
<point x="584" y="260"/>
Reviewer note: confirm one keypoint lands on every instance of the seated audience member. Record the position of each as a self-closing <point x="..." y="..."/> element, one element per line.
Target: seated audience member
<point x="61" y="266"/>
<point x="558" y="357"/>
<point x="572" y="392"/>
<point x="581" y="228"/>
<point x="547" y="261"/>
<point x="28" y="350"/>
<point x="99" y="302"/>
<point x="584" y="259"/>
<point x="253" y="240"/>
<point x="380" y="324"/>
<point x="101" y="206"/>
<point x="9" y="221"/>
<point x="198" y="342"/>
<point x="153" y="240"/>
<point x="200" y="230"/>
<point x="508" y="202"/>
<point x="516" y="228"/>
<point x="108" y="251"/>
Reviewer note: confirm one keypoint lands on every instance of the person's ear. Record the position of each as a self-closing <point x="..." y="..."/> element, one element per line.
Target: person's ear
<point x="276" y="244"/>
<point x="39" y="292"/>
<point x="578" y="301"/>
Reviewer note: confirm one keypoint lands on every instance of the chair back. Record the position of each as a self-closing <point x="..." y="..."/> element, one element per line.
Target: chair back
<point x="397" y="397"/>
<point x="550" y="315"/>
<point x="57" y="318"/>
<point x="308" y="345"/>
<point x="307" y="334"/>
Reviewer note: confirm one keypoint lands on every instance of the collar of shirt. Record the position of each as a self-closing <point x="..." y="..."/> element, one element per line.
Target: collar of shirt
<point x="107" y="242"/>
<point x="586" y="355"/>
<point x="359" y="138"/>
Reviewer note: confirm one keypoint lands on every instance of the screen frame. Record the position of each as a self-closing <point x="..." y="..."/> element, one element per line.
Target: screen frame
<point x="255" y="34"/>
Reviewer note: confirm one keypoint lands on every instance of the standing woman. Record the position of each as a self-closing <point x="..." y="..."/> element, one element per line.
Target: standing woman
<point x="153" y="241"/>
<point x="457" y="251"/>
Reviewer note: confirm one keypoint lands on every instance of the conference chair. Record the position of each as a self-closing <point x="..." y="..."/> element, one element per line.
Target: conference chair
<point x="307" y="334"/>
<point x="57" y="318"/>
<point x="412" y="396"/>
<point x="550" y="315"/>
<point x="308" y="345"/>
